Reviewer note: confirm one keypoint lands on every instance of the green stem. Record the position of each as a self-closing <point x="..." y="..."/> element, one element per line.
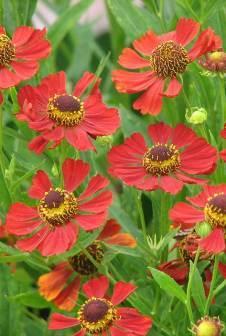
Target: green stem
<point x="141" y="213"/>
<point x="214" y="276"/>
<point x="191" y="275"/>
<point x="219" y="288"/>
<point x="222" y="102"/>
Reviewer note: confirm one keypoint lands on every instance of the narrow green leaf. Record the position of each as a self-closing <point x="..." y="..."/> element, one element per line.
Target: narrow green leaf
<point x="66" y="22"/>
<point x="197" y="290"/>
<point x="31" y="299"/>
<point x="168" y="284"/>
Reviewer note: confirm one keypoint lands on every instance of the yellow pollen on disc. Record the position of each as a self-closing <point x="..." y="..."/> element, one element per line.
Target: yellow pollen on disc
<point x="161" y="159"/>
<point x="57" y="207"/>
<point x="169" y="59"/>
<point x="215" y="210"/>
<point x="66" y="110"/>
<point x="97" y="315"/>
<point x="7" y="50"/>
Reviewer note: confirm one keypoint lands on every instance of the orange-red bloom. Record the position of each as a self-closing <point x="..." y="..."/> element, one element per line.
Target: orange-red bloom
<point x="63" y="283"/>
<point x="19" y="56"/>
<point x="177" y="154"/>
<point x="208" y="206"/>
<point x="163" y="58"/>
<point x="100" y="315"/>
<point x="53" y="224"/>
<point x="223" y="152"/>
<point x="55" y="114"/>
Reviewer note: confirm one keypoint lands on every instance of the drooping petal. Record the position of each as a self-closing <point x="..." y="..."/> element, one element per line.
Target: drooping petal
<point x="8" y="78"/>
<point x="131" y="60"/>
<point x="25" y="70"/>
<point x="59" y="321"/>
<point x="96" y="287"/>
<point x="146" y="43"/>
<point x="30" y="244"/>
<point x="150" y="102"/>
<point x="173" y="89"/>
<point x="91" y="221"/>
<point x="38" y="144"/>
<point x="186" y="215"/>
<point x="67" y="299"/>
<point x="97" y="204"/>
<point x="75" y="172"/>
<point x="40" y="184"/>
<point x="111" y="228"/>
<point x="78" y="138"/>
<point x="83" y="83"/>
<point x="122" y="239"/>
<point x="121" y="291"/>
<point x="186" y="31"/>
<point x="214" y="243"/>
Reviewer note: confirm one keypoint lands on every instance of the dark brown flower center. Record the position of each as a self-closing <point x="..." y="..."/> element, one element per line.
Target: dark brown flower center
<point x="95" y="310"/>
<point x="80" y="262"/>
<point x="54" y="199"/>
<point x="161" y="159"/>
<point x="96" y="315"/>
<point x="215" y="210"/>
<point x="188" y="247"/>
<point x="57" y="207"/>
<point x="7" y="50"/>
<point x="66" y="110"/>
<point x="169" y="59"/>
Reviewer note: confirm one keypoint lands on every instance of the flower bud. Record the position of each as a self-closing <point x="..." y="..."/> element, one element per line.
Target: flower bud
<point x="208" y="326"/>
<point x="203" y="229"/>
<point x="197" y="116"/>
<point x="214" y="61"/>
<point x="105" y="140"/>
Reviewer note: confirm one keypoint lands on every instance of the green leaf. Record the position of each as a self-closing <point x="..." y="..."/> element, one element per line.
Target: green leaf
<point x="132" y="20"/>
<point x="197" y="290"/>
<point x="31" y="299"/>
<point x="66" y="22"/>
<point x="168" y="284"/>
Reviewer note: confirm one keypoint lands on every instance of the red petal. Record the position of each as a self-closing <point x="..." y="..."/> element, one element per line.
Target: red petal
<point x="174" y="88"/>
<point x="60" y="240"/>
<point x="96" y="183"/>
<point x="223" y="155"/>
<point x="2" y="30"/>
<point x="183" y="213"/>
<point x="222" y="269"/>
<point x="22" y="35"/>
<point x="182" y="135"/>
<point x="214" y="243"/>
<point x="57" y="134"/>
<point x="25" y="70"/>
<point x="54" y="83"/>
<point x="32" y="243"/>
<point x="122" y="239"/>
<point x="186" y="31"/>
<point x="8" y="78"/>
<point x="131" y="60"/>
<point x="132" y="82"/>
<point x="83" y="83"/>
<point x="110" y="229"/>
<point x="67" y="299"/>
<point x="121" y="291"/>
<point x="97" y="204"/>
<point x="40" y="184"/>
<point x="160" y="133"/>
<point x="59" y="321"/>
<point x="22" y="219"/>
<point x="38" y="144"/>
<point x="96" y="287"/>
<point x="79" y="139"/>
<point x="150" y="102"/>
<point x="75" y="172"/>
<point x="170" y="184"/>
<point x="92" y="221"/>
<point x="146" y="43"/>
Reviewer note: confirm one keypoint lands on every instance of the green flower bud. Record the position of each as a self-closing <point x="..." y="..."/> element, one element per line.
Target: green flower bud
<point x="105" y="140"/>
<point x="208" y="326"/>
<point x="203" y="229"/>
<point x="196" y="115"/>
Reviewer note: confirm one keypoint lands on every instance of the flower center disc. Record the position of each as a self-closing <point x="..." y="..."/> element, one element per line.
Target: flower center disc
<point x="57" y="207"/>
<point x="96" y="315"/>
<point x="7" y="50"/>
<point x="215" y="210"/>
<point x="188" y="247"/>
<point x="161" y="159"/>
<point x="65" y="110"/>
<point x="81" y="264"/>
<point x="169" y="59"/>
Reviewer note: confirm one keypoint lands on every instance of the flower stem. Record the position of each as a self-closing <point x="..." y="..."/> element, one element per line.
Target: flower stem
<point x="214" y="276"/>
<point x="191" y="275"/>
<point x="219" y="288"/>
<point x="141" y="213"/>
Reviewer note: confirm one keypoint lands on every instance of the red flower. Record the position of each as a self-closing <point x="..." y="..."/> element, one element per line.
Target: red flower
<point x="175" y="156"/>
<point x="164" y="58"/>
<point x="54" y="223"/>
<point x="19" y="56"/>
<point x="100" y="315"/>
<point x="209" y="206"/>
<point x="223" y="152"/>
<point x="176" y="269"/>
<point x="56" y="115"/>
<point x="63" y="283"/>
<point x="223" y="132"/>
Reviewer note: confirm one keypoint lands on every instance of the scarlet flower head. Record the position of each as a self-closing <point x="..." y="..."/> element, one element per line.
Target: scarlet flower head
<point x="55" y="114"/>
<point x="208" y="206"/>
<point x="62" y="284"/>
<point x="53" y="225"/>
<point x="162" y="58"/>
<point x="100" y="314"/>
<point x="175" y="156"/>
<point x="223" y="152"/>
<point x="20" y="54"/>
